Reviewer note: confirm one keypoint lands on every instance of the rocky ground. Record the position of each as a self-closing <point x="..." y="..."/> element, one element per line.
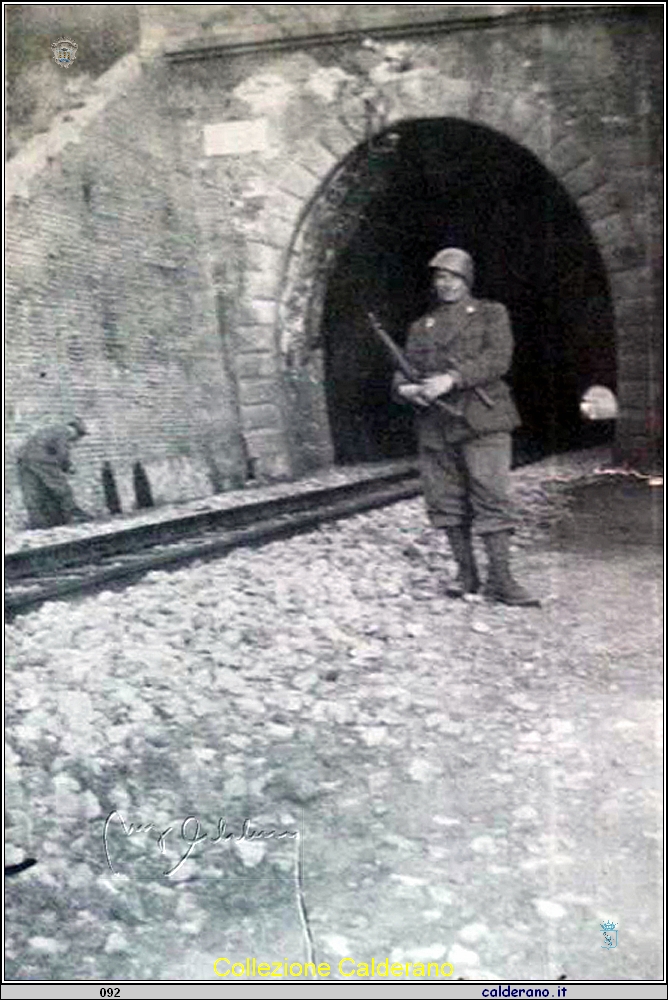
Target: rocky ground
<point x="456" y="781"/>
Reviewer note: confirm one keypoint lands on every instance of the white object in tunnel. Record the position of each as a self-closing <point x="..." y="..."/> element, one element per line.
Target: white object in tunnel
<point x="599" y="403"/>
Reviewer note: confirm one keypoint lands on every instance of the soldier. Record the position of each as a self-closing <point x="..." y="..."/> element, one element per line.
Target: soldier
<point x="463" y="349"/>
<point x="44" y="463"/>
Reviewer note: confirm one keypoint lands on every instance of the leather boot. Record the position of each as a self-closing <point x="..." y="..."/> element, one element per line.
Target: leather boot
<point x="501" y="585"/>
<point x="467" y="580"/>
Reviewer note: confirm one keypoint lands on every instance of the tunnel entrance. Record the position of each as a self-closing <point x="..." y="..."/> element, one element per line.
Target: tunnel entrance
<point x="432" y="183"/>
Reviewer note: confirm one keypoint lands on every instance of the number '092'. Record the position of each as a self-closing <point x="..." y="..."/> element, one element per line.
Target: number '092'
<point x="111" y="991"/>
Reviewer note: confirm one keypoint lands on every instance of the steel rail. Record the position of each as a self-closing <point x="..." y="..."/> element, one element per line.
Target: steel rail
<point x="80" y="566"/>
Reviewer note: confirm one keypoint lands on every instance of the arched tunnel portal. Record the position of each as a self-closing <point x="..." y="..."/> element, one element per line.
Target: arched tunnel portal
<point x="429" y="183"/>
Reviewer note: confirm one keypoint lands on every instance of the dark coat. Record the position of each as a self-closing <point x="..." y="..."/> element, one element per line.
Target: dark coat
<point x="43" y="466"/>
<point x="473" y="339"/>
<point x="47" y="451"/>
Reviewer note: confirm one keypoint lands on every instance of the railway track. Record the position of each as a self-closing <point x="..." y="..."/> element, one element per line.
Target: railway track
<point x="79" y="566"/>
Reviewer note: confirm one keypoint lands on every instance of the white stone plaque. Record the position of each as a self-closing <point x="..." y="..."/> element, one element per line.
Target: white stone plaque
<point x="236" y="137"/>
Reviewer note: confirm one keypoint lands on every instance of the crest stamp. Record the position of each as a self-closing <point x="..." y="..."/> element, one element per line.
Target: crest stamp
<point x="609" y="931"/>
<point x="64" y="52"/>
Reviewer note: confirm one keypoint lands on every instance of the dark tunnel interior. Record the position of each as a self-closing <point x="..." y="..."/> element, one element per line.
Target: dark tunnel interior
<point x="445" y="182"/>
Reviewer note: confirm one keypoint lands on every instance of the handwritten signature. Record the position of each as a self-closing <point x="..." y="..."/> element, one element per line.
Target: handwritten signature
<point x="191" y="834"/>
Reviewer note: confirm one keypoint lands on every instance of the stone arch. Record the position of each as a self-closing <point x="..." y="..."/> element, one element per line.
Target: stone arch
<point x="332" y="207"/>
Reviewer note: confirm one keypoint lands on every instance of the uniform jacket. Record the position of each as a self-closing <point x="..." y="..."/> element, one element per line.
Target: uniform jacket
<point x="48" y="450"/>
<point x="473" y="339"/>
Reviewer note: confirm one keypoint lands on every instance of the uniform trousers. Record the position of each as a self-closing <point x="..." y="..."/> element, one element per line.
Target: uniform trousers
<point x="468" y="483"/>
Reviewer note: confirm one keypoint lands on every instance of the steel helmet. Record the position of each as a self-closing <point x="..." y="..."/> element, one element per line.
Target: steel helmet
<point x="455" y="260"/>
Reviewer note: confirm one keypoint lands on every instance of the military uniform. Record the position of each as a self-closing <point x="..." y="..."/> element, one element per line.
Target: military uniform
<point x="43" y="465"/>
<point x="462" y="350"/>
<point x="465" y="460"/>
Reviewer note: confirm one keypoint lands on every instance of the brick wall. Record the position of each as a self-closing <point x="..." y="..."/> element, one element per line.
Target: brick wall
<point x="110" y="312"/>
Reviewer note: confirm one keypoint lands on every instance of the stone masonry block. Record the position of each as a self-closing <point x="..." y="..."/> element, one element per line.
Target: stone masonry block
<point x="566" y="154"/>
<point x="634" y="365"/>
<point x="297" y="181"/>
<point x="647" y="227"/>
<point x="315" y="158"/>
<point x="627" y="256"/>
<point x="260" y="312"/>
<point x="355" y="129"/>
<point x="599" y="203"/>
<point x="610" y="232"/>
<point x="272" y="227"/>
<point x="285" y="205"/>
<point x="491" y="106"/>
<point x="635" y="335"/>
<point x="633" y="419"/>
<point x="632" y="428"/>
<point x="631" y="285"/>
<point x="633" y="393"/>
<point x="256" y="365"/>
<point x="253" y="391"/>
<point x="270" y="450"/>
<point x="635" y="448"/>
<point x="264" y="257"/>
<point x="450" y="95"/>
<point x="255" y="338"/>
<point x="633" y="314"/>
<point x="260" y="416"/>
<point x="335" y="137"/>
<point x="266" y="441"/>
<point x="523" y="114"/>
<point x="584" y="178"/>
<point x="639" y="184"/>
<point x="261" y="285"/>
<point x="275" y="466"/>
<point x="539" y="138"/>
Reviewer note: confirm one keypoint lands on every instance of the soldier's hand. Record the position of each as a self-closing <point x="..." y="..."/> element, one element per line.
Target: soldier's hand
<point x="412" y="392"/>
<point x="438" y="385"/>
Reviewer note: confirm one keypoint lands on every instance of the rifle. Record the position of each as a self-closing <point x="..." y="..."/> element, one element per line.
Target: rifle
<point x="413" y="375"/>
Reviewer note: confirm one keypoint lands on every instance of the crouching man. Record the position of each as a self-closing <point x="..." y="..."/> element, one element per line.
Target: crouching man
<point x="43" y="465"/>
<point x="463" y="348"/>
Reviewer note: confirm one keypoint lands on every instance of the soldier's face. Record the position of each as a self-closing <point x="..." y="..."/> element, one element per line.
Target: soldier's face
<point x="450" y="287"/>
